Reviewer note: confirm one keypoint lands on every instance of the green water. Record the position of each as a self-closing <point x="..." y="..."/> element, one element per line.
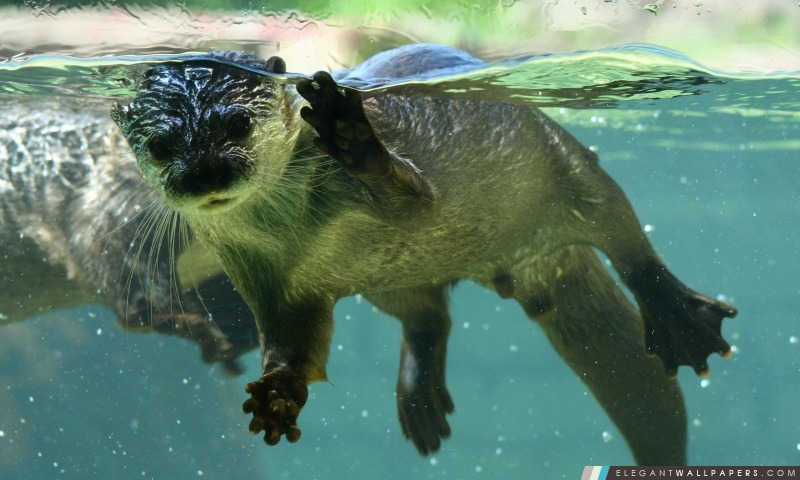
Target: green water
<point x="710" y="162"/>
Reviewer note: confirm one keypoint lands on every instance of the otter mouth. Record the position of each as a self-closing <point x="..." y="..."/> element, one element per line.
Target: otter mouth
<point x="218" y="202"/>
<point x="209" y="204"/>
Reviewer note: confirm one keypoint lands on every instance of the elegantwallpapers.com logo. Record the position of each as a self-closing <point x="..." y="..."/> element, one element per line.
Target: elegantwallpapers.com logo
<point x="704" y="473"/>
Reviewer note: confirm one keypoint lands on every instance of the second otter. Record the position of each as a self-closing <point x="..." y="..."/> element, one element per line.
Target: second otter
<point x="409" y="196"/>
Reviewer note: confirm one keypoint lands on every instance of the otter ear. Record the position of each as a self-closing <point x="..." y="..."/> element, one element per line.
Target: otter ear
<point x="276" y="65"/>
<point x="120" y="114"/>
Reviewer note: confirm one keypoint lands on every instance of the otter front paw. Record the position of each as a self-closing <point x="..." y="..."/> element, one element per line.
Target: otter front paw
<point x="344" y="131"/>
<point x="682" y="326"/>
<point x="276" y="400"/>
<point x="423" y="403"/>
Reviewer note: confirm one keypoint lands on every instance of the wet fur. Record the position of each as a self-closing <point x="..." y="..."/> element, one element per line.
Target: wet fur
<point x="79" y="225"/>
<point x="441" y="189"/>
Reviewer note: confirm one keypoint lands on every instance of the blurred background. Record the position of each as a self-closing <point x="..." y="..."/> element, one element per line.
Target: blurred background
<point x="714" y="174"/>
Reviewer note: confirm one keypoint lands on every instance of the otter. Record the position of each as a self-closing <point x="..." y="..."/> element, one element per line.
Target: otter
<point x="311" y="192"/>
<point x="78" y="225"/>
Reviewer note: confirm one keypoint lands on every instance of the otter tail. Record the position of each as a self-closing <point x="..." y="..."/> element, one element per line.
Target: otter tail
<point x="597" y="331"/>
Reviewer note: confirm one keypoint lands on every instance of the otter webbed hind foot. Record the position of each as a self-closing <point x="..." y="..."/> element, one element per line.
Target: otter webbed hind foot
<point x="683" y="327"/>
<point x="423" y="400"/>
<point x="276" y="400"/>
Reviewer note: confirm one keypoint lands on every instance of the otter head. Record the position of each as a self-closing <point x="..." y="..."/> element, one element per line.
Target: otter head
<point x="202" y="131"/>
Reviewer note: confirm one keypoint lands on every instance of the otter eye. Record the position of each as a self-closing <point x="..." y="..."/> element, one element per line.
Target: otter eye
<point x="159" y="149"/>
<point x="239" y="126"/>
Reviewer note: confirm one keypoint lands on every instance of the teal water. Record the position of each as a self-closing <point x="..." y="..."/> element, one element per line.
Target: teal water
<point x="710" y="161"/>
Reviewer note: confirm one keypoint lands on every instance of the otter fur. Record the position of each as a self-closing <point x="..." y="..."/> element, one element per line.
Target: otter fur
<point x="310" y="193"/>
<point x="79" y="225"/>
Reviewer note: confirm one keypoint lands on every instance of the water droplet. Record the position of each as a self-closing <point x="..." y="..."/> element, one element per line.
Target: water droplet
<point x="651" y="7"/>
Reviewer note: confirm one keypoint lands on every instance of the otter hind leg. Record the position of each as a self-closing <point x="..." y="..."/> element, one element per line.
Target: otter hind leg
<point x="423" y="400"/>
<point x="596" y="330"/>
<point x="683" y="327"/>
<point x="692" y="317"/>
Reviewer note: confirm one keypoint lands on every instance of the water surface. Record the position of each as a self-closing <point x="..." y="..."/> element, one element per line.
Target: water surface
<point x="709" y="159"/>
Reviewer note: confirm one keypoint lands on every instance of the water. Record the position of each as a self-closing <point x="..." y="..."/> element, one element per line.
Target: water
<point x="709" y="159"/>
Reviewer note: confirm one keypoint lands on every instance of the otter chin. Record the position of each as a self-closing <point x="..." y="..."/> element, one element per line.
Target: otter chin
<point x="398" y="198"/>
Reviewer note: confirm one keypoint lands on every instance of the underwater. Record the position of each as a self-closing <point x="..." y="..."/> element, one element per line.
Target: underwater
<point x="691" y="107"/>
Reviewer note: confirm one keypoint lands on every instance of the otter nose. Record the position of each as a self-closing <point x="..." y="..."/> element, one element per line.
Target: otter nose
<point x="207" y="181"/>
<point x="201" y="178"/>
